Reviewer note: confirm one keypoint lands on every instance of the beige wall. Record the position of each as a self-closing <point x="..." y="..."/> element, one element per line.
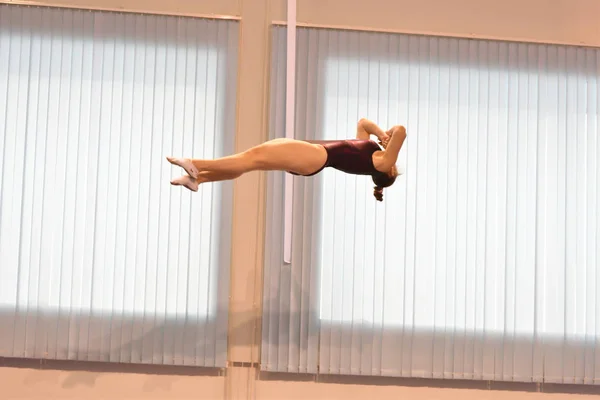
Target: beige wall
<point x="575" y="22"/>
<point x="553" y="21"/>
<point x="17" y="383"/>
<point x="30" y="384"/>
<point x="556" y="21"/>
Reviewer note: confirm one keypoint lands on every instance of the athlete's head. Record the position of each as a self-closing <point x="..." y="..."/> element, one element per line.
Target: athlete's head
<point x="383" y="180"/>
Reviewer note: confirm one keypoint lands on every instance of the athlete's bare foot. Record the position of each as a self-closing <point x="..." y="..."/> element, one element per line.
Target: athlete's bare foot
<point x="187" y="181"/>
<point x="186" y="164"/>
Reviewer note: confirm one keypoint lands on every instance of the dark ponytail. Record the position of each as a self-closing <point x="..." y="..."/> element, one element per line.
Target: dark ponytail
<point x="378" y="193"/>
<point x="382" y="180"/>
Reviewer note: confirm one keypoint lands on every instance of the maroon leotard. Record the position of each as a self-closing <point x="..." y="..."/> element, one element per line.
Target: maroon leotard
<point x="351" y="156"/>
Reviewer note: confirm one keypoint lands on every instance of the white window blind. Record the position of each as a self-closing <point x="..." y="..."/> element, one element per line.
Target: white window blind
<point x="100" y="258"/>
<point x="481" y="263"/>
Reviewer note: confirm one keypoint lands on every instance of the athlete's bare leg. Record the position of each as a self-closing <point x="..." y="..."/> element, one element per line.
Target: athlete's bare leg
<point x="275" y="155"/>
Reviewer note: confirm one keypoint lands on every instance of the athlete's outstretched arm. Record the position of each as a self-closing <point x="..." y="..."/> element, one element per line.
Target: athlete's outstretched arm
<point x="366" y="128"/>
<point x="397" y="137"/>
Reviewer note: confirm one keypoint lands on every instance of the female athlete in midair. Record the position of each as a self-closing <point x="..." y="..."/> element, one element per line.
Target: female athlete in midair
<point x="360" y="156"/>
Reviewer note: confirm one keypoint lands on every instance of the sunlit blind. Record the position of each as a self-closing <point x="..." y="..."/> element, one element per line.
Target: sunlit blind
<point x="481" y="263"/>
<point x="100" y="258"/>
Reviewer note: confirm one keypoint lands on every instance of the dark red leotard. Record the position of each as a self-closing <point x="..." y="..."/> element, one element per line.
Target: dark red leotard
<point x="351" y="156"/>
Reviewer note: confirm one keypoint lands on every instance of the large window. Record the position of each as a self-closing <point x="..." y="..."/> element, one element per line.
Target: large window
<point x="481" y="261"/>
<point x="100" y="258"/>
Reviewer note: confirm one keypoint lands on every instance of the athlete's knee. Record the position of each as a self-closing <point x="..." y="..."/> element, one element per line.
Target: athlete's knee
<point x="256" y="157"/>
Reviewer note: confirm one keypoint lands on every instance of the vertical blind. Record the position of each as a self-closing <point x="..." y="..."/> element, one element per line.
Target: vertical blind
<point x="481" y="262"/>
<point x="100" y="258"/>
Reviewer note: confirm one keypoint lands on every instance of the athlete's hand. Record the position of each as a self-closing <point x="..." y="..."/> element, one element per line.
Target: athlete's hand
<point x="385" y="140"/>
